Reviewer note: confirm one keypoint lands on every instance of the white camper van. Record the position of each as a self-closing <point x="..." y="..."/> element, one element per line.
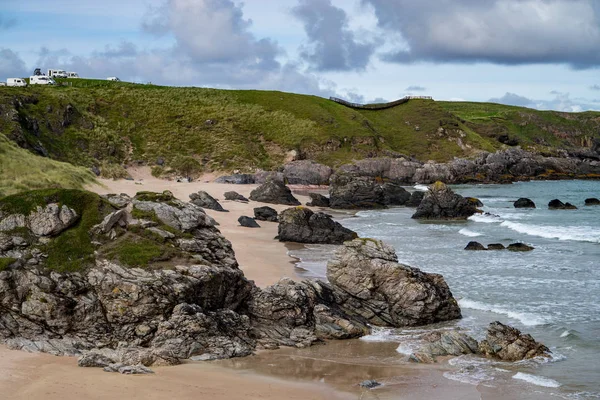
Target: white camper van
<point x="16" y="82"/>
<point x="113" y="78"/>
<point x="41" y="80"/>
<point x="57" y="73"/>
<point x="72" y="75"/>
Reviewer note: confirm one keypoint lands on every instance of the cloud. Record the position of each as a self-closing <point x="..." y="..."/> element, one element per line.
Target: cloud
<point x="507" y="32"/>
<point x="595" y="87"/>
<point x="7" y="23"/>
<point x="124" y="49"/>
<point x="561" y="102"/>
<point x="332" y="45"/>
<point x="11" y="65"/>
<point x="415" y="88"/>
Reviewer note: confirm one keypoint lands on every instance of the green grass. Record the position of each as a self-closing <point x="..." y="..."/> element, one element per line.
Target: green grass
<point x="137" y="252"/>
<point x="5" y="262"/>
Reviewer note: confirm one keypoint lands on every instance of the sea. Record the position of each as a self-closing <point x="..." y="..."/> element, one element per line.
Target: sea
<point x="552" y="292"/>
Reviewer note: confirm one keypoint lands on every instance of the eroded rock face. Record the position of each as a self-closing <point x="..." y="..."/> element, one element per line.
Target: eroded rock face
<point x="178" y="215"/>
<point x="301" y="225"/>
<point x="509" y="344"/>
<point x="306" y="172"/>
<point x="385" y="292"/>
<point x="51" y="220"/>
<point x="440" y="202"/>
<point x="447" y="343"/>
<point x="274" y="192"/>
<point x="205" y="200"/>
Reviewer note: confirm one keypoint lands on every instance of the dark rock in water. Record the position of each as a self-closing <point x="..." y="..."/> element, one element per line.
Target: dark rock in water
<point x="509" y="344"/>
<point x="445" y="343"/>
<point x="370" y="282"/>
<point x="369" y="384"/>
<point x="475" y="246"/>
<point x="559" y="205"/>
<point x="496" y="246"/>
<point x="238" y="179"/>
<point x="205" y="200"/>
<point x="266" y="213"/>
<point x="275" y="193"/>
<point x="347" y="191"/>
<point x="592" y="202"/>
<point x="519" y="247"/>
<point x="248" y="222"/>
<point x="415" y="199"/>
<point x="475" y="201"/>
<point x="318" y="200"/>
<point x="524" y="203"/>
<point x="235" y="196"/>
<point x="306" y="172"/>
<point x="440" y="202"/>
<point x="301" y="225"/>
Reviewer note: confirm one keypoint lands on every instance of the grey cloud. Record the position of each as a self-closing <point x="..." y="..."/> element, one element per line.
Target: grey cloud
<point x="124" y="49"/>
<point x="415" y="88"/>
<point x="7" y="23"/>
<point x="11" y="65"/>
<point x="561" y="102"/>
<point x="595" y="87"/>
<point x="498" y="31"/>
<point x="332" y="46"/>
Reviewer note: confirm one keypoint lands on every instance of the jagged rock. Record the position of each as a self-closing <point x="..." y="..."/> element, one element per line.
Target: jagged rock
<point x="440" y="202"/>
<point x="369" y="384"/>
<point x="475" y="246"/>
<point x="559" y="205"/>
<point x="235" y="196"/>
<point x="118" y="200"/>
<point x="301" y="225"/>
<point x="128" y="369"/>
<point x="496" y="246"/>
<point x="248" y="222"/>
<point x="263" y="176"/>
<point x="238" y="179"/>
<point x="266" y="213"/>
<point x="109" y="222"/>
<point x="306" y="172"/>
<point x="205" y="200"/>
<point x="275" y="193"/>
<point x="475" y="201"/>
<point x="384" y="292"/>
<point x="592" y="201"/>
<point x="12" y="222"/>
<point x="397" y="170"/>
<point x="179" y="215"/>
<point x="519" y="247"/>
<point x="161" y="233"/>
<point x="415" y="199"/>
<point x="318" y="200"/>
<point x="94" y="360"/>
<point x="524" y="203"/>
<point x="51" y="220"/>
<point x="446" y="343"/>
<point x="509" y="344"/>
<point x="348" y="191"/>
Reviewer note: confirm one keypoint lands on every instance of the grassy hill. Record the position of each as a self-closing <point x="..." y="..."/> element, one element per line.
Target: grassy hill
<point x="108" y="124"/>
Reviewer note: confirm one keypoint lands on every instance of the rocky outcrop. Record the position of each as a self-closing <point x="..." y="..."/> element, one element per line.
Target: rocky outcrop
<point x="235" y="196"/>
<point x="205" y="200"/>
<point x="415" y="199"/>
<point x="509" y="344"/>
<point x="118" y="200"/>
<point x="496" y="246"/>
<point x="592" y="201"/>
<point x="373" y="285"/>
<point x="318" y="200"/>
<point x="475" y="246"/>
<point x="263" y="176"/>
<point x="266" y="213"/>
<point x="306" y="172"/>
<point x="49" y="220"/>
<point x="519" y="247"/>
<point x="440" y="202"/>
<point x="238" y="179"/>
<point x="301" y="225"/>
<point x="275" y="193"/>
<point x="248" y="222"/>
<point x="559" y="205"/>
<point x="444" y="343"/>
<point x="347" y="191"/>
<point x="524" y="203"/>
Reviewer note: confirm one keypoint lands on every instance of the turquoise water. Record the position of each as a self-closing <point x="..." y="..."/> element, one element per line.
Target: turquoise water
<point x="552" y="292"/>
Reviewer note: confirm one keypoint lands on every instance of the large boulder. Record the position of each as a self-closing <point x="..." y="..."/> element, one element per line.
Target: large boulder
<point x="348" y="191"/>
<point x="235" y="196"/>
<point x="300" y="224"/>
<point x="524" y="203"/>
<point x="440" y="202"/>
<point x="51" y="219"/>
<point x="274" y="192"/>
<point x="238" y="179"/>
<point x="475" y="246"/>
<point x="559" y="205"/>
<point x="509" y="344"/>
<point x="205" y="200"/>
<point x="318" y="200"/>
<point x="248" y="222"/>
<point x="415" y="199"/>
<point x="266" y="213"/>
<point x="372" y="284"/>
<point x="306" y="172"/>
<point x="444" y="343"/>
<point x="592" y="201"/>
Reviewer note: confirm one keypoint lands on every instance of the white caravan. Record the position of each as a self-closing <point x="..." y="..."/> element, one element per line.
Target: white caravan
<point x="41" y="80"/>
<point x="57" y="73"/>
<point x="16" y="82"/>
<point x="72" y="75"/>
<point x="113" y="78"/>
<point x="2" y="83"/>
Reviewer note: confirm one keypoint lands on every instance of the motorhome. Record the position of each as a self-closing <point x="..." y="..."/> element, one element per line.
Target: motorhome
<point x="57" y="73"/>
<point x="72" y="75"/>
<point x="41" y="80"/>
<point x="16" y="82"/>
<point x="113" y="78"/>
<point x="2" y="83"/>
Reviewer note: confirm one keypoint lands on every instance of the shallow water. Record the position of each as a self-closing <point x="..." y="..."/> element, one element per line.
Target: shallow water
<point x="552" y="292"/>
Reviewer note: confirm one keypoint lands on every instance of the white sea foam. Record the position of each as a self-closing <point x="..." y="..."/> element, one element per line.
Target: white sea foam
<point x="526" y="319"/>
<point x="472" y="376"/>
<point x="536" y="380"/>
<point x="486" y="218"/>
<point x="422" y="188"/>
<point x="576" y="233"/>
<point x="469" y="233"/>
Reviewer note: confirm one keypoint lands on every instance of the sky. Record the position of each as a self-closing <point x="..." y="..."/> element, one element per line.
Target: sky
<point x="541" y="54"/>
